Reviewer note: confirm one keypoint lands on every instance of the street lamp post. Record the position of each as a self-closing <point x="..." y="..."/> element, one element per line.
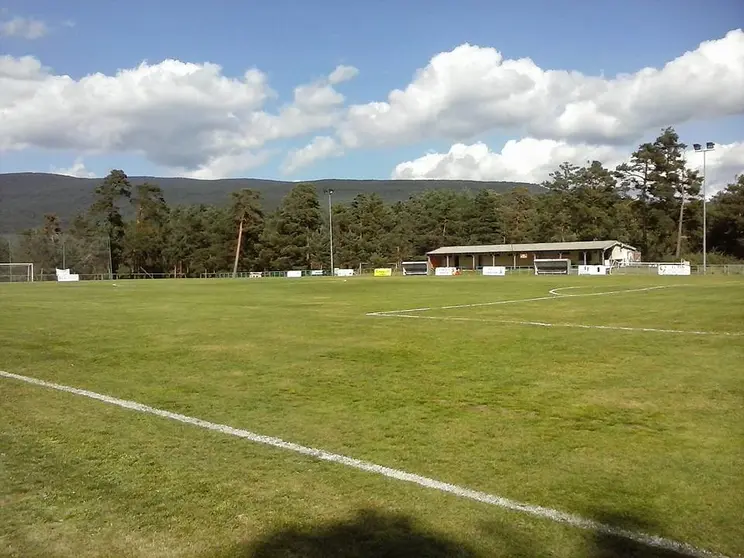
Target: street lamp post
<point x="709" y="146"/>
<point x="329" y="191"/>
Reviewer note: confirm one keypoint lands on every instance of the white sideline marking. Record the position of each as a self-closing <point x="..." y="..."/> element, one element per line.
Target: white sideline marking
<point x="554" y="295"/>
<point x="547" y="324"/>
<point x="483" y="497"/>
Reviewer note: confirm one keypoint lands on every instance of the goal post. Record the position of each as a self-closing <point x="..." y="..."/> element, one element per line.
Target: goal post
<point x="552" y="266"/>
<point x="16" y="272"/>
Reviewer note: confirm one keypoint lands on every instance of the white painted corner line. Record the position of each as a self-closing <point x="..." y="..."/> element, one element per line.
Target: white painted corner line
<point x="483" y="497"/>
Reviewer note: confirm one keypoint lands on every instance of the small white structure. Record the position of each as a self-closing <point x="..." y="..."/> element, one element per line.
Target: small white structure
<point x="682" y="268"/>
<point x="494" y="270"/>
<point x="593" y="270"/>
<point x="64" y="276"/>
<point x="445" y="271"/>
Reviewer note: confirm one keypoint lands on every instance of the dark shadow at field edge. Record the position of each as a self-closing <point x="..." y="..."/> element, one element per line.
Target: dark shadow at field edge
<point x="608" y="546"/>
<point x="373" y="533"/>
<point x="370" y="533"/>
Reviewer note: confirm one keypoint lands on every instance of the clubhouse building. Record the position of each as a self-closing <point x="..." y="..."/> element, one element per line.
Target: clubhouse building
<point x="593" y="252"/>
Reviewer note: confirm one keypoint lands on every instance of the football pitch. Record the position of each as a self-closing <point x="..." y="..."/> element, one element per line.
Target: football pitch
<point x="410" y="416"/>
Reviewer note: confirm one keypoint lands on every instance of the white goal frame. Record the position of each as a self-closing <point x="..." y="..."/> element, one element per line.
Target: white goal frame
<point x="28" y="273"/>
<point x="562" y="266"/>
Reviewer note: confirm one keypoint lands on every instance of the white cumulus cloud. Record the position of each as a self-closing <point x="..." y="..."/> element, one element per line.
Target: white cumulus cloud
<point x="525" y="160"/>
<point x="722" y="165"/>
<point x="532" y="160"/>
<point x="184" y="116"/>
<point x="226" y="165"/>
<point x="77" y="170"/>
<point x="320" y="147"/>
<point x="472" y="90"/>
<point x="194" y="119"/>
<point x="342" y="73"/>
<point x="23" y="27"/>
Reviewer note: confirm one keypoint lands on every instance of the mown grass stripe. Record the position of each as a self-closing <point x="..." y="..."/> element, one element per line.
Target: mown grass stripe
<point x="483" y="497"/>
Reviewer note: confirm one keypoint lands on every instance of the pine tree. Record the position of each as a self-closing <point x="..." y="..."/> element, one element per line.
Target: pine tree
<point x="106" y="213"/>
<point x="291" y="236"/>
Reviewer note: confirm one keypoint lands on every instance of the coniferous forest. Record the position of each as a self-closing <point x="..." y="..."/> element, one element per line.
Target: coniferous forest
<point x="653" y="201"/>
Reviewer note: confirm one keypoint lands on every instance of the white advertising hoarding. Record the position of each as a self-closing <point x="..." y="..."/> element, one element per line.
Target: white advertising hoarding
<point x="674" y="269"/>
<point x="344" y="272"/>
<point x="445" y="271"/>
<point x="64" y="276"/>
<point x="494" y="270"/>
<point x="294" y="273"/>
<point x="593" y="270"/>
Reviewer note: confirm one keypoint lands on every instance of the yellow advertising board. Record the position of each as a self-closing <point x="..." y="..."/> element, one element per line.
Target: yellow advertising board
<point x="383" y="272"/>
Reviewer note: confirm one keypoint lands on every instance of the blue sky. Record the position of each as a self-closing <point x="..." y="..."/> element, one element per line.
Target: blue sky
<point x="298" y="42"/>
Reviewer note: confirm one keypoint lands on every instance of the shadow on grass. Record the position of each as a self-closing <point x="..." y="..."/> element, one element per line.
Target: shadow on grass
<point x="369" y="533"/>
<point x="608" y="546"/>
<point x="372" y="533"/>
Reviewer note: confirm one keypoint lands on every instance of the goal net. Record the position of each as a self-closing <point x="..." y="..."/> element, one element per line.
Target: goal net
<point x="16" y="272"/>
<point x="557" y="266"/>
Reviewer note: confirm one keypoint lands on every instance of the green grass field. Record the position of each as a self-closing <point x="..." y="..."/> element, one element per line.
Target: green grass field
<point x="638" y="429"/>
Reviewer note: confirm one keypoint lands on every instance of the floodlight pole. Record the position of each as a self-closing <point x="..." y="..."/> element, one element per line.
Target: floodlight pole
<point x="329" y="191"/>
<point x="709" y="146"/>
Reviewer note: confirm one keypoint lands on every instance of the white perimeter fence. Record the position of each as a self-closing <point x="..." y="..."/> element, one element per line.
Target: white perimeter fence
<point x="640" y="269"/>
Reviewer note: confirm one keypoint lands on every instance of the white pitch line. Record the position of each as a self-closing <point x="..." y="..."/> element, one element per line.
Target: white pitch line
<point x="483" y="497"/>
<point x="557" y="290"/>
<point x="553" y="296"/>
<point x="568" y="325"/>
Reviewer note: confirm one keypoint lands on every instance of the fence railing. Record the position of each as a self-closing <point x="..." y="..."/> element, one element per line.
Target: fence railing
<point x="637" y="270"/>
<point x="653" y="269"/>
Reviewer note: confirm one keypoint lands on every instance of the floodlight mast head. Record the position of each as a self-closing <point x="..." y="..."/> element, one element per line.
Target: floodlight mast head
<point x="709" y="146"/>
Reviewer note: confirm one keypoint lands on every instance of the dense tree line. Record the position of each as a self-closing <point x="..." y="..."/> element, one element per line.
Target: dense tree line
<point x="653" y="202"/>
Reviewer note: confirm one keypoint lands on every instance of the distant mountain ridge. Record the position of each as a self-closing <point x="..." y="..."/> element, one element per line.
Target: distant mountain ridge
<point x="26" y="197"/>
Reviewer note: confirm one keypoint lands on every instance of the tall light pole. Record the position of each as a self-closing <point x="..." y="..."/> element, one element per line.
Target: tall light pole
<point x="329" y="191"/>
<point x="709" y="146"/>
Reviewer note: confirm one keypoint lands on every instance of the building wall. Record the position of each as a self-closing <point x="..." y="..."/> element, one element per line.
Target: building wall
<point x="624" y="254"/>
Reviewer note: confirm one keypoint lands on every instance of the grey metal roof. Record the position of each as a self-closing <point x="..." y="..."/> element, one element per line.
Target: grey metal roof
<point x="538" y="247"/>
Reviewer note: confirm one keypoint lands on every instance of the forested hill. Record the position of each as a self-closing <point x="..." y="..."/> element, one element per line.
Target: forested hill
<point x="26" y="197"/>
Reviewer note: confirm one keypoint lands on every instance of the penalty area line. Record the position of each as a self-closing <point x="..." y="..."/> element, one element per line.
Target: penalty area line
<point x="482" y="497"/>
<point x="567" y="325"/>
<point x="554" y="294"/>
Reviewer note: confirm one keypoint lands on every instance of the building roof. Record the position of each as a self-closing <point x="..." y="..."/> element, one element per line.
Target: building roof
<point x="538" y="247"/>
